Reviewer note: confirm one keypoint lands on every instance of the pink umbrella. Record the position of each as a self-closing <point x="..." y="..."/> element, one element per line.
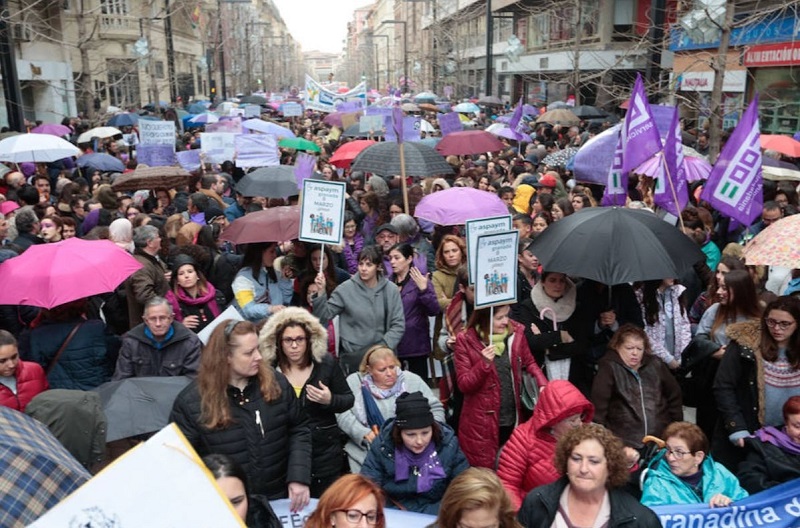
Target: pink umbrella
<point x="695" y="168"/>
<point x="468" y="142"/>
<point x="456" y="205"/>
<point x="53" y="129"/>
<point x="48" y="275"/>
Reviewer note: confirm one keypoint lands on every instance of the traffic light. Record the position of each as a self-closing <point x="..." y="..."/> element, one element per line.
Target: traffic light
<point x="213" y="88"/>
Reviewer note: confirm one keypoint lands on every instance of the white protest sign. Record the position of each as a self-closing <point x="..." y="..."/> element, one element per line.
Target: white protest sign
<point x="292" y="109"/>
<point x="496" y="269"/>
<point x="229" y="313"/>
<point x="170" y="484"/>
<point x="322" y="212"/>
<point x="478" y="227"/>
<point x="257" y="150"/>
<point x="156" y="132"/>
<point x="252" y="111"/>
<point x="370" y="124"/>
<point x="218" y="147"/>
<point x="406" y="519"/>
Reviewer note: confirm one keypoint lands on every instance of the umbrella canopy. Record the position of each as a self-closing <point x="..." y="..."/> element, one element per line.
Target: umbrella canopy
<point x="48" y="275"/>
<point x="586" y="112"/>
<point x="355" y="131"/>
<point x="277" y="181"/>
<point x="502" y="130"/>
<point x="783" y="144"/>
<point x="456" y="205"/>
<point x="695" y="169"/>
<point x="384" y="159"/>
<point x="613" y="245"/>
<point x="560" y="158"/>
<point x="268" y="127"/>
<point x="777" y="245"/>
<point x="468" y="142"/>
<point x="555" y="105"/>
<point x="490" y="100"/>
<point x="145" y="177"/>
<point x="198" y="108"/>
<point x="345" y="154"/>
<point x="137" y="406"/>
<point x="775" y="170"/>
<point x="36" y="148"/>
<point x="204" y="118"/>
<point x="276" y="224"/>
<point x="253" y="99"/>
<point x="428" y="107"/>
<point x="430" y="141"/>
<point x="466" y="108"/>
<point x="593" y="160"/>
<point x="409" y="107"/>
<point x="426" y="126"/>
<point x="123" y="119"/>
<point x="561" y="116"/>
<point x="99" y="132"/>
<point x="425" y="97"/>
<point x="36" y="471"/>
<point x="54" y="129"/>
<point x="334" y="119"/>
<point x="100" y="161"/>
<point x="299" y="144"/>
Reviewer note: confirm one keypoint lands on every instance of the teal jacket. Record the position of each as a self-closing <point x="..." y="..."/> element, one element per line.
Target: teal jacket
<point x="662" y="487"/>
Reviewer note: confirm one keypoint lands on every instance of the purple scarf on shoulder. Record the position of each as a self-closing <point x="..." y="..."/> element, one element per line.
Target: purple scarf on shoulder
<point x="778" y="438"/>
<point x="351" y="253"/>
<point x="426" y="466"/>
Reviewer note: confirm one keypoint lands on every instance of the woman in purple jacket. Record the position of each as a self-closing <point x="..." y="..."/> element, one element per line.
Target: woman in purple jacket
<point x="419" y="304"/>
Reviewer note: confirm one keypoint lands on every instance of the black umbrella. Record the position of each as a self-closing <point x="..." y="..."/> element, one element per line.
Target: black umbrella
<point x="587" y="112"/>
<point x="253" y="99"/>
<point x="354" y="131"/>
<point x="384" y="159"/>
<point x="277" y="181"/>
<point x="614" y="245"/>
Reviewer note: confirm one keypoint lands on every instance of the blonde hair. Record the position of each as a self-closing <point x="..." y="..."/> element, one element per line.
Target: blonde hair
<point x="377" y="352"/>
<point x="474" y="489"/>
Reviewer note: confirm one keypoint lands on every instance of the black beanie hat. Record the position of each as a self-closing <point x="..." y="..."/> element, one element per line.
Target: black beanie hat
<point x="412" y="411"/>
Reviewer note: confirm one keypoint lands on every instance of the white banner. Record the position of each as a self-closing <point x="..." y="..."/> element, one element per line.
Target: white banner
<point x="394" y="518"/>
<point x="323" y="100"/>
<point x="478" y="227"/>
<point x="156" y="132"/>
<point x="322" y="212"/>
<point x="257" y="150"/>
<point x="496" y="269"/>
<point x="218" y="147"/>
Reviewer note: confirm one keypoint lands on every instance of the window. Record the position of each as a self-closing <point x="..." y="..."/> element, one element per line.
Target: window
<point x="114" y="7"/>
<point x="159" y="69"/>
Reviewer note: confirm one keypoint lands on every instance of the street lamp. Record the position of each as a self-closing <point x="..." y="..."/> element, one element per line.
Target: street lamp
<point x="405" y="50"/>
<point x="388" y="81"/>
<point x="247" y="27"/>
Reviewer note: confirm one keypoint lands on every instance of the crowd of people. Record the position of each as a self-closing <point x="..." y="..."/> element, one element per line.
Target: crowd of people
<point x="538" y="414"/>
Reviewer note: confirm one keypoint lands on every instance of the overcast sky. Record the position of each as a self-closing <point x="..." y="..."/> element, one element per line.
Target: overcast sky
<point x="319" y="24"/>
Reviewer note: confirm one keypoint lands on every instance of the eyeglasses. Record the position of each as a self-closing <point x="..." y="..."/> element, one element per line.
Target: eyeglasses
<point x="289" y="341"/>
<point x="677" y="453"/>
<point x="354" y="516"/>
<point x="783" y="325"/>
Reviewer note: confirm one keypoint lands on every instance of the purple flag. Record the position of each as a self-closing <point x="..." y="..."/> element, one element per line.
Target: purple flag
<point x="616" y="190"/>
<point x="449" y="123"/>
<point x="397" y="124"/>
<point x="513" y="123"/>
<point x="734" y="186"/>
<point x="671" y="183"/>
<point x="640" y="139"/>
<point x="304" y="167"/>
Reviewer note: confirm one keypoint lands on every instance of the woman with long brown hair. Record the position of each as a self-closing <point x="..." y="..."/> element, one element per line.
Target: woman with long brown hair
<point x="240" y="407"/>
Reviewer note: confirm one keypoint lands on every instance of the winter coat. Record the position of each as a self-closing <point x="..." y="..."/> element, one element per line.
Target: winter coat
<point x="657" y="332"/>
<point x="379" y="467"/>
<point x="418" y="308"/>
<point x="526" y="460"/>
<point x="270" y="440"/>
<point x="204" y="305"/>
<point x="145" y="284"/>
<point x="139" y="357"/>
<point x="766" y="465"/>
<point x="356" y="448"/>
<point x="252" y="295"/>
<point x="86" y="363"/>
<point x="326" y="444"/>
<point x="30" y="382"/>
<point x="635" y="404"/>
<point x="479" y="426"/>
<point x="541" y="505"/>
<point x="367" y="316"/>
<point x="662" y="488"/>
<point x="444" y="284"/>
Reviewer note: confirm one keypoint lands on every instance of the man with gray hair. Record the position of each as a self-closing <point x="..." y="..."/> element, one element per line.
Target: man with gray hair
<point x="409" y="233"/>
<point x="160" y="346"/>
<point x="150" y="281"/>
<point x="27" y="228"/>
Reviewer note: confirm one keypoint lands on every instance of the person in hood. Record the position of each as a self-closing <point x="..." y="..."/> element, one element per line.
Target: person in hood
<point x="296" y="345"/>
<point x="527" y="459"/>
<point x="370" y="310"/>
<point x="192" y="297"/>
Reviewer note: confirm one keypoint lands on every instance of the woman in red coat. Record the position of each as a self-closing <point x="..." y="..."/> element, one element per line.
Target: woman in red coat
<point x="527" y="459"/>
<point x="490" y="357"/>
<point x="20" y="381"/>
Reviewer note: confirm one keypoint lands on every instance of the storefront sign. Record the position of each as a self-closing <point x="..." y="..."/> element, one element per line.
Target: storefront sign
<point x="784" y="54"/>
<point x="703" y="81"/>
<point x="779" y="27"/>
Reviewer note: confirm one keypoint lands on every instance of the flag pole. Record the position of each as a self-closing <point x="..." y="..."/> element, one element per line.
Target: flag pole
<point x="401" y="144"/>
<point x="672" y="189"/>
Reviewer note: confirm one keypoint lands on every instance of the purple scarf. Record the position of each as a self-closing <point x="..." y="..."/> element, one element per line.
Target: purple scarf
<point x="778" y="438"/>
<point x="426" y="466"/>
<point x="351" y="253"/>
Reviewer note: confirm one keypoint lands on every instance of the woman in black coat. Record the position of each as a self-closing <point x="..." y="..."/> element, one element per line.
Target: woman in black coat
<point x="296" y="344"/>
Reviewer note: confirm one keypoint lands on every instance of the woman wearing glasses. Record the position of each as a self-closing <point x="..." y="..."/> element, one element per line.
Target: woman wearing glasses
<point x="758" y="373"/>
<point x="295" y="343"/>
<point x="684" y="473"/>
<point x="353" y="500"/>
<point x="241" y="407"/>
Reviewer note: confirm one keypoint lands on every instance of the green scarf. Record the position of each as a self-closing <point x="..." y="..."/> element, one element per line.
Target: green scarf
<point x="499" y="342"/>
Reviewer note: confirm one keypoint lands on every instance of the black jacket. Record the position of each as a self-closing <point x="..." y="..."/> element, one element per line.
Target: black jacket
<point x="766" y="465"/>
<point x="541" y="505"/>
<point x="270" y="440"/>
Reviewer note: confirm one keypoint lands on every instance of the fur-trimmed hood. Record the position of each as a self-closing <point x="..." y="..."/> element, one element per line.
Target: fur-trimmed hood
<point x="746" y="333"/>
<point x="267" y="341"/>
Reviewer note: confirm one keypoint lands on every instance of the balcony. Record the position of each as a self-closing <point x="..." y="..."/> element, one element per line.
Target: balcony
<point x="119" y="27"/>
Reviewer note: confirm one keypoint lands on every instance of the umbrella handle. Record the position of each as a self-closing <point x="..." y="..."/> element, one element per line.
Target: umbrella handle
<point x="553" y="313"/>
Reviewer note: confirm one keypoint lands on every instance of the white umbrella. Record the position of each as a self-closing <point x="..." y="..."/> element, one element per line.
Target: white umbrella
<point x="267" y="127"/>
<point x="425" y="126"/>
<point x="37" y="148"/>
<point x="99" y="132"/>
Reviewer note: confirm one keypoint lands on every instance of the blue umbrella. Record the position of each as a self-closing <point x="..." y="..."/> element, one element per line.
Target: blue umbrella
<point x="123" y="119"/>
<point x="467" y="108"/>
<point x="101" y="162"/>
<point x="429" y="141"/>
<point x="149" y="118"/>
<point x="198" y="108"/>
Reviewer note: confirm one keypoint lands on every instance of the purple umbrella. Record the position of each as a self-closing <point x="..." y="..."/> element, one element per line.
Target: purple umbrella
<point x="593" y="160"/>
<point x="334" y="119"/>
<point x="695" y="169"/>
<point x="54" y="129"/>
<point x="456" y="205"/>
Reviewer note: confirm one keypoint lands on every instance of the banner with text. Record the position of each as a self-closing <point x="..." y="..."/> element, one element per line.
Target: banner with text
<point x="157" y="133"/>
<point x="323" y="100"/>
<point x="478" y="227"/>
<point x="218" y="147"/>
<point x="322" y="212"/>
<point x="496" y="269"/>
<point x="394" y="518"/>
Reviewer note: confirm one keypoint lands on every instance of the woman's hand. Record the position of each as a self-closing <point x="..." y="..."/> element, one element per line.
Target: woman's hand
<point x="488" y="353"/>
<point x="720" y="501"/>
<point x="419" y="279"/>
<point x="719" y="353"/>
<point x="631" y="456"/>
<point x="298" y="496"/>
<point x="565" y="337"/>
<point x="191" y="322"/>
<point x="320" y="281"/>
<point x="535" y="329"/>
<point x="321" y="395"/>
<point x="275" y="308"/>
<point x="370" y="437"/>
